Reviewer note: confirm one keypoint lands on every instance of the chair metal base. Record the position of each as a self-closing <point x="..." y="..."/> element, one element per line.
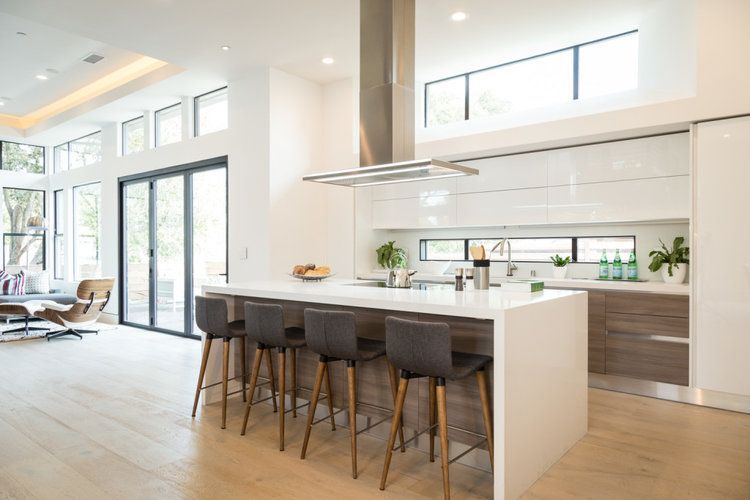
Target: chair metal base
<point x="25" y="328"/>
<point x="70" y="331"/>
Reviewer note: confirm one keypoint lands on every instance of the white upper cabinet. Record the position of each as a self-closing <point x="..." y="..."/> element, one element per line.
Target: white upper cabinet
<point x="505" y="172"/>
<point x="658" y="156"/>
<point x="662" y="198"/>
<point x="411" y="213"/>
<point x="417" y="189"/>
<point x="514" y="207"/>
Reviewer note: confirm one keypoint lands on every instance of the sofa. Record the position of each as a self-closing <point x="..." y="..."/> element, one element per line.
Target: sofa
<point x="53" y="295"/>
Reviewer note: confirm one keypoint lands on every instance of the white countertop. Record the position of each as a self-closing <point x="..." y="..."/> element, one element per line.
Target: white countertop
<point x="483" y="304"/>
<point x="577" y="283"/>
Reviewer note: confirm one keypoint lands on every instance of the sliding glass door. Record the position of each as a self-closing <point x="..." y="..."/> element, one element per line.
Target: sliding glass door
<point x="173" y="235"/>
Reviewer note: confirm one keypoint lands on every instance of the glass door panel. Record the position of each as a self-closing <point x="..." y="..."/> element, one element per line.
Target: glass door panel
<point x="137" y="254"/>
<point x="169" y="219"/>
<point x="209" y="230"/>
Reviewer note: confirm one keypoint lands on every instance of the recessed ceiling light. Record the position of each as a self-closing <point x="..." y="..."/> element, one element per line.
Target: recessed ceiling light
<point x="41" y="77"/>
<point x="225" y="47"/>
<point x="2" y="103"/>
<point x="459" y="16"/>
<point x="327" y="60"/>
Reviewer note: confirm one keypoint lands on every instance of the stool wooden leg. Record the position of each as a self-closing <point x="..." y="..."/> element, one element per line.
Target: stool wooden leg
<point x="403" y="385"/>
<point x="272" y="383"/>
<point x="351" y="372"/>
<point x="204" y="362"/>
<point x="329" y="398"/>
<point x="486" y="413"/>
<point x="253" y="383"/>
<point x="393" y="376"/>
<point x="224" y="383"/>
<point x="282" y="395"/>
<point x="431" y="404"/>
<point x="313" y="405"/>
<point x="443" y="425"/>
<point x="294" y="383"/>
<point x="243" y="361"/>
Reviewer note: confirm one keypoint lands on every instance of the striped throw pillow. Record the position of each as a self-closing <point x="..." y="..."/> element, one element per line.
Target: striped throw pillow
<point x="12" y="284"/>
<point x="36" y="282"/>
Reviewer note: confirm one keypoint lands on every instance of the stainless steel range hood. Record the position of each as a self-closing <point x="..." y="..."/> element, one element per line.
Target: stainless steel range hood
<point x="386" y="103"/>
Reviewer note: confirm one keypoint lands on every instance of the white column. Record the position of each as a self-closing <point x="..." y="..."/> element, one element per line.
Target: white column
<point x="188" y="121"/>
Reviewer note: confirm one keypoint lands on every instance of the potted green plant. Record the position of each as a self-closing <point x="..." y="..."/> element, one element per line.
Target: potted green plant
<point x="675" y="258"/>
<point x="391" y="257"/>
<point x="561" y="266"/>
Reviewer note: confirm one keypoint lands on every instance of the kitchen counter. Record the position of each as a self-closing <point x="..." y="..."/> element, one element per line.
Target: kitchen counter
<point x="539" y="376"/>
<point x="573" y="283"/>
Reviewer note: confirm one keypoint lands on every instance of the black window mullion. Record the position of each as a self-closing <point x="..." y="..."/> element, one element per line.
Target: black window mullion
<point x="466" y="96"/>
<point x="575" y="71"/>
<point x="574" y="251"/>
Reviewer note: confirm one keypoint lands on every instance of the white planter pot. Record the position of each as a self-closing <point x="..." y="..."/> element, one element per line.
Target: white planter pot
<point x="679" y="271"/>
<point x="559" y="273"/>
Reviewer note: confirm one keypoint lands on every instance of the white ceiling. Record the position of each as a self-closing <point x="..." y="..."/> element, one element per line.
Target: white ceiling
<point x="293" y="35"/>
<point x="43" y="48"/>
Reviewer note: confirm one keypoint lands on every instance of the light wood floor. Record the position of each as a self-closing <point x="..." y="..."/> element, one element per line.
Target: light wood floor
<point x="109" y="416"/>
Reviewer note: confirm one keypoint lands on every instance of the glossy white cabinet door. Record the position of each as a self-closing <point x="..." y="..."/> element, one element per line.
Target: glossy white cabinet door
<point x="660" y="156"/>
<point x="663" y="198"/>
<point x="414" y="213"/>
<point x="416" y="189"/>
<point x="503" y="208"/>
<point x="505" y="172"/>
<point x="721" y="256"/>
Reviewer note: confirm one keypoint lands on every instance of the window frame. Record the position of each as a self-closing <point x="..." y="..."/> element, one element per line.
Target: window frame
<point x="44" y="156"/>
<point x="75" y="224"/>
<point x="123" y="136"/>
<point x="68" y="143"/>
<point x="43" y="233"/>
<point x="157" y="144"/>
<point x="196" y="116"/>
<point x="467" y="75"/>
<point x="574" y="247"/>
<point x="57" y="222"/>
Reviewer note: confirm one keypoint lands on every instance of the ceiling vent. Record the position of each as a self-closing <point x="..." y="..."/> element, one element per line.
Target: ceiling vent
<point x="93" y="58"/>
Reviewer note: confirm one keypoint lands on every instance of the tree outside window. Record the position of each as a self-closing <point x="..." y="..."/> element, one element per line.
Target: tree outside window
<point x="22" y="249"/>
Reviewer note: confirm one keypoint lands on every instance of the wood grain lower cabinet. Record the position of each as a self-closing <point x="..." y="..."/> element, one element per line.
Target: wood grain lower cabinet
<point x="647" y="336"/>
<point x="647" y="359"/>
<point x="597" y="332"/>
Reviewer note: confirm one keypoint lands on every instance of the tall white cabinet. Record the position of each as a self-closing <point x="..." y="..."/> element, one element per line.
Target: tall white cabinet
<point x="721" y="256"/>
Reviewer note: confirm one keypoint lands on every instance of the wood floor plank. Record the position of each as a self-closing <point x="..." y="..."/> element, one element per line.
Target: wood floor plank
<point x="109" y="417"/>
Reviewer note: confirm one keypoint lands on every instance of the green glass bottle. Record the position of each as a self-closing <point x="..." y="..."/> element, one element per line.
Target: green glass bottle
<point x="604" y="266"/>
<point x="632" y="267"/>
<point x="617" y="266"/>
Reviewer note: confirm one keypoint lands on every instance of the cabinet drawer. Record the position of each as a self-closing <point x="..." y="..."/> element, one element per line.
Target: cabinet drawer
<point x="647" y="359"/>
<point x="647" y="325"/>
<point x="648" y="303"/>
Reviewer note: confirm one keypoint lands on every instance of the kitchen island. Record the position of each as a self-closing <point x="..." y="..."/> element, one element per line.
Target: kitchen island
<point x="538" y="342"/>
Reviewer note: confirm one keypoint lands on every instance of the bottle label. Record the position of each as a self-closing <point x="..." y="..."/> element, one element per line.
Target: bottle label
<point x="616" y="272"/>
<point x="632" y="273"/>
<point x="604" y="270"/>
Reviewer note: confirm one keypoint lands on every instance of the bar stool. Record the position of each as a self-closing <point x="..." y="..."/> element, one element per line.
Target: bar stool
<point x="211" y="316"/>
<point x="264" y="323"/>
<point x="333" y="335"/>
<point x="421" y="349"/>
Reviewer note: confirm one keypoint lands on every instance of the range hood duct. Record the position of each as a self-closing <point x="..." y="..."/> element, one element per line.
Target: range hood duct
<point x="386" y="103"/>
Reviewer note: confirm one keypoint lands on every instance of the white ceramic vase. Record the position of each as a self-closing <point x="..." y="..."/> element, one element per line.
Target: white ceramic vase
<point x="679" y="271"/>
<point x="559" y="273"/>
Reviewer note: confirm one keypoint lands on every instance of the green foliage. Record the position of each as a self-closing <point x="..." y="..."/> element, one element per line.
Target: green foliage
<point x="23" y="158"/>
<point x="20" y="205"/>
<point x="678" y="254"/>
<point x="558" y="261"/>
<point x="391" y="257"/>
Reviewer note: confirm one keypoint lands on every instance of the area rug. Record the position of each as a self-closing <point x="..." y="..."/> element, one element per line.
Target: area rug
<point x="39" y="334"/>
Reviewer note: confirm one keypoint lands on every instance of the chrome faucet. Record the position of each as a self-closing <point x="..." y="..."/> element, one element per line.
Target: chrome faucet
<point x="511" y="266"/>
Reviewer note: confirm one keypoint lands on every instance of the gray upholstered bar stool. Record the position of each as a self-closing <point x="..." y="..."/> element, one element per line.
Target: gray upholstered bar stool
<point x="421" y="349"/>
<point x="333" y="335"/>
<point x="264" y="323"/>
<point x="211" y="317"/>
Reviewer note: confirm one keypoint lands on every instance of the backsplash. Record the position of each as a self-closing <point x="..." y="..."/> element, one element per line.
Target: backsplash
<point x="646" y="237"/>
